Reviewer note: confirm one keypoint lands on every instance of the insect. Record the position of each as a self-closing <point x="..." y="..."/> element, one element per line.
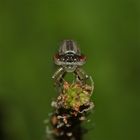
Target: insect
<point x="69" y="59"/>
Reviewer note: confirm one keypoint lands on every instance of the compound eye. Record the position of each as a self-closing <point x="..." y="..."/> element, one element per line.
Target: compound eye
<point x="57" y="56"/>
<point x="82" y="58"/>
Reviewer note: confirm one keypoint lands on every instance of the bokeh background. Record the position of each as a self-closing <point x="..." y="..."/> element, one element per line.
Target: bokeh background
<point x="108" y="33"/>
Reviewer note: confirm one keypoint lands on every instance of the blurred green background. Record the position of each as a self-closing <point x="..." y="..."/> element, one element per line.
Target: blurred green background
<point x="108" y="33"/>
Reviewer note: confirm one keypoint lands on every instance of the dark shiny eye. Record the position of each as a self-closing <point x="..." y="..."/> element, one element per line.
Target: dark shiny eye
<point x="62" y="58"/>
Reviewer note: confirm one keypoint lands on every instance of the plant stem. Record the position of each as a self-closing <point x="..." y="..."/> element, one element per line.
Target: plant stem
<point x="70" y="110"/>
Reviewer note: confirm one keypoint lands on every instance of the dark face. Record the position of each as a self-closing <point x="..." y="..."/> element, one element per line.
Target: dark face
<point x="69" y="57"/>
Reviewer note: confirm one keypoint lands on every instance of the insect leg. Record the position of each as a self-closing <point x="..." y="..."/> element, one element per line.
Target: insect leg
<point x="81" y="76"/>
<point x="58" y="76"/>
